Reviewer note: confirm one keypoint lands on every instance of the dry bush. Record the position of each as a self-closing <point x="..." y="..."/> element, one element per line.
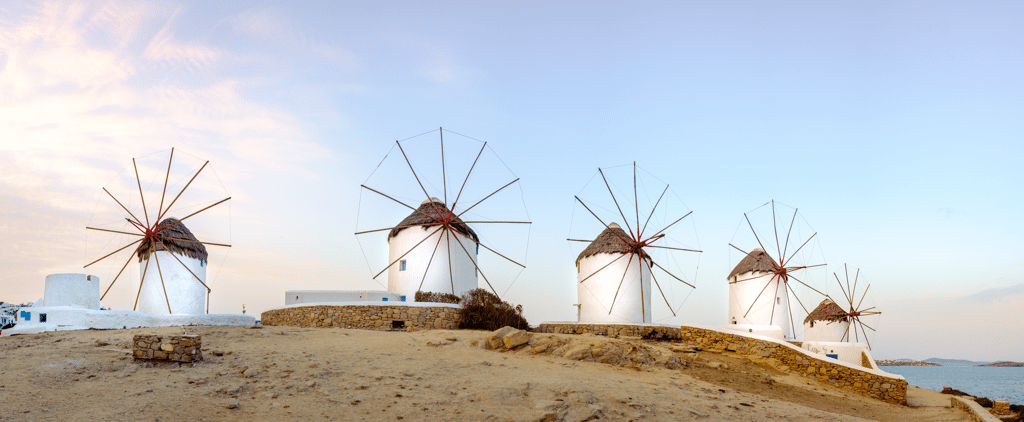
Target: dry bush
<point x="983" y="401"/>
<point x="483" y="310"/>
<point x="434" y="297"/>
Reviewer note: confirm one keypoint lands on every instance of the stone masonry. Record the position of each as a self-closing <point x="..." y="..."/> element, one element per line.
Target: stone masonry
<point x="369" y="317"/>
<point x="612" y="330"/>
<point x="172" y="348"/>
<point x="786" y="359"/>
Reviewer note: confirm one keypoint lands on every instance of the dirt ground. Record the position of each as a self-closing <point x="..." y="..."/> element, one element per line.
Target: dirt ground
<point x="273" y="373"/>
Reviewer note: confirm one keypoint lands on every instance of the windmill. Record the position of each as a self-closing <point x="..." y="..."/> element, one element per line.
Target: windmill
<point x="856" y="312"/>
<point x="436" y="247"/>
<point x="615" y="270"/>
<point x="158" y="234"/>
<point x="771" y="271"/>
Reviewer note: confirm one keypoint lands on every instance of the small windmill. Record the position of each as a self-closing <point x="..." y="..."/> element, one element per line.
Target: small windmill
<point x="437" y="221"/>
<point x="855" y="313"/>
<point x="760" y="272"/>
<point x="162" y="234"/>
<point x="599" y="266"/>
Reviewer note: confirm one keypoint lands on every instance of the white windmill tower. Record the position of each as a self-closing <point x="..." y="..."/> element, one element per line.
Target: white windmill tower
<point x="760" y="285"/>
<point x="616" y="270"/>
<point x="438" y="246"/>
<point x="827" y="323"/>
<point x="409" y="244"/>
<point x="183" y="287"/>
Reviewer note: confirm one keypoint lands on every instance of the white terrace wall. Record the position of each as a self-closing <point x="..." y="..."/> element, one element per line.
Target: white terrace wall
<point x="872" y="383"/>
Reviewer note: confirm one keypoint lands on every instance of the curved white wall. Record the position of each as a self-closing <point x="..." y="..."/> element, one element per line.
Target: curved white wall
<point x="743" y="294"/>
<point x="186" y="294"/>
<point x="825" y="331"/>
<point x="78" y="290"/>
<point x="595" y="295"/>
<point x="406" y="283"/>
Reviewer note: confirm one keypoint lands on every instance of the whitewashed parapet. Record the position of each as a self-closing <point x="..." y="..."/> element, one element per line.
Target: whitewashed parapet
<point x="973" y="409"/>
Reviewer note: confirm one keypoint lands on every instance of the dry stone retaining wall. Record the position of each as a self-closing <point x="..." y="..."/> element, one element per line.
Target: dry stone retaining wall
<point x="974" y="410"/>
<point x="367" y="317"/>
<point x="612" y="330"/>
<point x="172" y="348"/>
<point x="891" y="390"/>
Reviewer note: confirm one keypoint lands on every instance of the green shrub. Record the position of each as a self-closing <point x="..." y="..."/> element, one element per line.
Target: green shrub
<point x="483" y="310"/>
<point x="422" y="296"/>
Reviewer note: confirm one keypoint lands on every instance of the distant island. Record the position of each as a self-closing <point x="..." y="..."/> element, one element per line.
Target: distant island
<point x="1005" y="364"/>
<point x="904" y="362"/>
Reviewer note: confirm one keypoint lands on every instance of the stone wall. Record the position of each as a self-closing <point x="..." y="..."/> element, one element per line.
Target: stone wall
<point x="172" y="348"/>
<point x="367" y="317"/>
<point x="792" y="359"/>
<point x="974" y="410"/>
<point x="611" y="330"/>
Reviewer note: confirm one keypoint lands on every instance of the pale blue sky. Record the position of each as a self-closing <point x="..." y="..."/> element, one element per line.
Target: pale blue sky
<point x="895" y="128"/>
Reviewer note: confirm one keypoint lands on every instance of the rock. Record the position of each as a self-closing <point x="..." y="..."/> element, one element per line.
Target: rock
<point x="249" y="373"/>
<point x="515" y="338"/>
<point x="233" y="404"/>
<point x="167" y="347"/>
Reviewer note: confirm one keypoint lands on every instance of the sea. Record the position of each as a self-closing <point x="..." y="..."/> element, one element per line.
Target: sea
<point x="979" y="381"/>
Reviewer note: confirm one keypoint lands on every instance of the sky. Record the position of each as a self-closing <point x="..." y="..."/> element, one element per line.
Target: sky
<point x="895" y="129"/>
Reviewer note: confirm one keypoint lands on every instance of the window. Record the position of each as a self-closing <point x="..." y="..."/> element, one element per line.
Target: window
<point x="397" y="325"/>
<point x="401" y="266"/>
<point x="42" y="317"/>
<point x="778" y="301"/>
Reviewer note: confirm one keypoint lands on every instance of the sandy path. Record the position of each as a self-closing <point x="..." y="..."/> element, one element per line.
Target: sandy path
<point x="337" y="374"/>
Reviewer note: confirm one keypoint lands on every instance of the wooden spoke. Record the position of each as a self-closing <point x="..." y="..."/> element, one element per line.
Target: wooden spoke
<point x="868" y="326"/>
<point x="139" y="182"/>
<point x="195" y="241"/>
<point x="771" y="319"/>
<point x="673" y="275"/>
<point x="190" y="215"/>
<point x="801" y="247"/>
<point x="407" y="252"/>
<point x="628" y="241"/>
<point x="467" y="176"/>
<point x="162" y="285"/>
<point x="444" y="173"/>
<point x="145" y="270"/>
<point x="792" y="323"/>
<point x="190" y="272"/>
<point x="182" y="191"/>
<point x="636" y="203"/>
<point x="769" y="283"/>
<point x="623" y="279"/>
<point x="865" y="334"/>
<point x="799" y="302"/>
<point x="677" y="249"/>
<point x="448" y="243"/>
<point x="655" y="279"/>
<point x="786" y="245"/>
<point x="477" y="267"/>
<point x="848" y="300"/>
<point x="115" y="231"/>
<point x="485" y="198"/>
<point x="738" y="249"/>
<point x="114" y="252"/>
<point x="846" y="333"/>
<point x="746" y="279"/>
<point x="130" y="257"/>
<point x="160" y="210"/>
<point x="122" y="206"/>
<point x="670" y="225"/>
<point x="580" y="240"/>
<point x="807" y="285"/>
<point x="417" y="178"/>
<point x="498" y="222"/>
<point x="755" y="234"/>
<point x="599" y="269"/>
<point x="652" y="211"/>
<point x="503" y="256"/>
<point x="863" y="295"/>
<point x="775" y="226"/>
<point x="624" y="220"/>
<point x="436" y="220"/>
<point x="431" y="260"/>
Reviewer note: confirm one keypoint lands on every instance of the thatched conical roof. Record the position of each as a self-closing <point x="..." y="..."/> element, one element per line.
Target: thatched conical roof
<point x="826" y="311"/>
<point x="757" y="261"/>
<point x="422" y="217"/>
<point x="611" y="240"/>
<point x="176" y="230"/>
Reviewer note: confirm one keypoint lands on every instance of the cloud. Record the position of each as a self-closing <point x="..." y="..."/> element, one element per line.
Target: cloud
<point x="987" y="296"/>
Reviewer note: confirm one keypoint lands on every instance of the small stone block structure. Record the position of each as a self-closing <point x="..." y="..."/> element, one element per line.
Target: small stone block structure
<point x="792" y="359"/>
<point x="1000" y="407"/>
<point x="611" y="330"/>
<point x="172" y="348"/>
<point x="366" y="317"/>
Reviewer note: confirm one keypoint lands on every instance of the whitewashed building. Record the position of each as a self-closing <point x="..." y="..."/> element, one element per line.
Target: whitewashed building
<point x="758" y="302"/>
<point x="184" y="294"/>
<point x="597" y="291"/>
<point x="826" y="327"/>
<point x="451" y="256"/>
